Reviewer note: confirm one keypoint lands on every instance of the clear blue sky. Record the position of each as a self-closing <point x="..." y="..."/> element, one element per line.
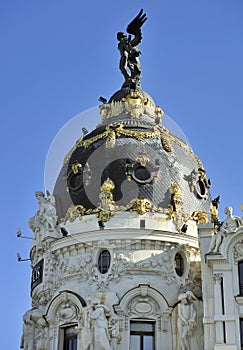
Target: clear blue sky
<point x="57" y="58"/>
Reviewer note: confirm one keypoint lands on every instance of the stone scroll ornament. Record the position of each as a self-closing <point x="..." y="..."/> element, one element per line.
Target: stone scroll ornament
<point x="130" y="52"/>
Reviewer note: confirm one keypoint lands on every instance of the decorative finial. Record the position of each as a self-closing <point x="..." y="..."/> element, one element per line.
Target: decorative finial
<point x="130" y="52"/>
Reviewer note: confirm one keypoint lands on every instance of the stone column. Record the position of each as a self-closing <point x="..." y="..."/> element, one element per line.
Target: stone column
<point x="217" y="277"/>
<point x="229" y="309"/>
<point x="205" y="236"/>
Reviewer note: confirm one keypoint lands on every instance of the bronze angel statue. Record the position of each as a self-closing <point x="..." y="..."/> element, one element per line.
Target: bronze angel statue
<point x="130" y="52"/>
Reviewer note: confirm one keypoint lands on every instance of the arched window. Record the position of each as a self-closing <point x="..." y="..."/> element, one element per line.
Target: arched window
<point x="240" y="266"/>
<point x="104" y="261"/>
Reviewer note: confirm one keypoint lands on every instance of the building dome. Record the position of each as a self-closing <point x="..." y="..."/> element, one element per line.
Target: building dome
<point x="118" y="240"/>
<point x="143" y="160"/>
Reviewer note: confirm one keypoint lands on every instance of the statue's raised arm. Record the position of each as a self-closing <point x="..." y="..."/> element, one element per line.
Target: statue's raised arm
<point x="130" y="52"/>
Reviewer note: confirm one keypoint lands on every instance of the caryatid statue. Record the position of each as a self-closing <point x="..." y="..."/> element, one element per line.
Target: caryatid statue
<point x="130" y="52"/>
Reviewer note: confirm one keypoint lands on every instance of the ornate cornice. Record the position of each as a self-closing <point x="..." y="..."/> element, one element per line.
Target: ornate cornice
<point x="133" y="105"/>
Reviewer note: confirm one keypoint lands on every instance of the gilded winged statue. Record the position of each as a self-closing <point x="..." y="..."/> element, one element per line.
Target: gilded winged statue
<point x="130" y="52"/>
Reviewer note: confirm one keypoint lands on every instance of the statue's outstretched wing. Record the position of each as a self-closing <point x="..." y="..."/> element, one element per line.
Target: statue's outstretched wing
<point x="135" y="27"/>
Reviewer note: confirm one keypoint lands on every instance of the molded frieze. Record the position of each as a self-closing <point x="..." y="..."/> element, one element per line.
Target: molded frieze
<point x="79" y="261"/>
<point x="122" y="263"/>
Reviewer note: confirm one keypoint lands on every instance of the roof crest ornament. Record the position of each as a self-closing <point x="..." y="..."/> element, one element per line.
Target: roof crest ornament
<point x="130" y="52"/>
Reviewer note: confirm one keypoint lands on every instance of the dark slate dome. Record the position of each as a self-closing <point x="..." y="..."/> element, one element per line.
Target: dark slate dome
<point x="142" y="158"/>
<point x="124" y="92"/>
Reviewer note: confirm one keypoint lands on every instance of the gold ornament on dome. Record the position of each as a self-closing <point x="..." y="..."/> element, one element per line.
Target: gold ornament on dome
<point x="200" y="217"/>
<point x="175" y="210"/>
<point x="73" y="213"/>
<point x="119" y="130"/>
<point x="104" y="215"/>
<point x="107" y="208"/>
<point x="142" y="158"/>
<point x="140" y="205"/>
<point x="133" y="105"/>
<point x="175" y="201"/>
<point x="113" y="131"/>
<point x="107" y="186"/>
<point x="106" y="205"/>
<point x="166" y="143"/>
<point x="76" y="167"/>
<point x="111" y="140"/>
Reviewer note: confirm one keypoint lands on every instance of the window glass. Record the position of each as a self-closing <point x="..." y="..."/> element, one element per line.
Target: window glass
<point x="70" y="338"/>
<point x="141" y="335"/>
<point x="135" y="342"/>
<point x="148" y="342"/>
<point x="241" y="332"/>
<point x="179" y="264"/>
<point x="141" y="327"/>
<point x="241" y="277"/>
<point x="104" y="261"/>
<point x="141" y="173"/>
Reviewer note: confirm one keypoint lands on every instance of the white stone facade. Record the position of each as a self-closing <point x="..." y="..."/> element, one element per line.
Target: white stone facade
<point x="141" y="283"/>
<point x="149" y="273"/>
<point x="222" y="298"/>
<point x="192" y="309"/>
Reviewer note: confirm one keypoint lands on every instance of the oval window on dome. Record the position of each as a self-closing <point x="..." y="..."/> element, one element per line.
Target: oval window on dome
<point x="104" y="261"/>
<point x="141" y="173"/>
<point x="201" y="189"/>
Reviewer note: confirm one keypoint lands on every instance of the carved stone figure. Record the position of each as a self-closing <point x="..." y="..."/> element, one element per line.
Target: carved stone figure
<point x="130" y="52"/>
<point x="41" y="335"/>
<point x="214" y="213"/>
<point x="34" y="335"/>
<point x="113" y="326"/>
<point x="186" y="322"/>
<point x="47" y="211"/>
<point x="45" y="219"/>
<point x="87" y="331"/>
<point x="231" y="223"/>
<point x="167" y="268"/>
<point x="27" y="339"/>
<point x="229" y="226"/>
<point x="99" y="315"/>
